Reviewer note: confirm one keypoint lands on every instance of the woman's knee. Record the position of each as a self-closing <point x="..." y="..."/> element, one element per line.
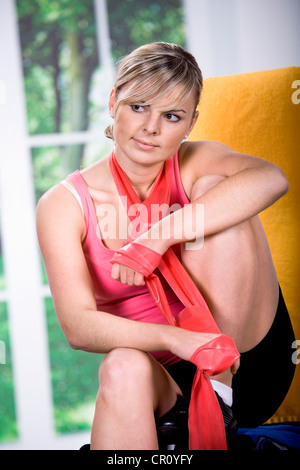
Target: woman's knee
<point x="124" y="369"/>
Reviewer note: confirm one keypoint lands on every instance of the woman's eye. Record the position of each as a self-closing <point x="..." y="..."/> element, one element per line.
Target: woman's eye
<point x="137" y="108"/>
<point x="172" y="117"/>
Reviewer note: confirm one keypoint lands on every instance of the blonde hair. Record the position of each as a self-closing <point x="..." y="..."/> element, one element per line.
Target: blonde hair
<point x="153" y="71"/>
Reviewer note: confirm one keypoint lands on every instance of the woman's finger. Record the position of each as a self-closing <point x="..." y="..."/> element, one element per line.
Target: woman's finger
<point x="139" y="279"/>
<point x="115" y="271"/>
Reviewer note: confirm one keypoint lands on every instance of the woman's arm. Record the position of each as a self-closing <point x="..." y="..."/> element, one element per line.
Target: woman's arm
<point x="250" y="186"/>
<point x="61" y="229"/>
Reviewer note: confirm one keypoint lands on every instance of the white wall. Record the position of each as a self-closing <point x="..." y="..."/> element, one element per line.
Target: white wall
<point x="238" y="36"/>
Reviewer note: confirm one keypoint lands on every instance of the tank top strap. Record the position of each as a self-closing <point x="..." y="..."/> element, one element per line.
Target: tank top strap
<point x="87" y="203"/>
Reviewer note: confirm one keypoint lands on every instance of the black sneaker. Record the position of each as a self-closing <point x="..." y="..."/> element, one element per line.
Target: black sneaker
<point x="230" y="423"/>
<point x="172" y="428"/>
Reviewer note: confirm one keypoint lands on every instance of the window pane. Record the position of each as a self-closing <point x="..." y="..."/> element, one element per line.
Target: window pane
<point x="59" y="52"/>
<point x="136" y="22"/>
<point x="8" y="425"/>
<point x="60" y="57"/>
<point x="74" y="379"/>
<point x="2" y="277"/>
<point x="53" y="164"/>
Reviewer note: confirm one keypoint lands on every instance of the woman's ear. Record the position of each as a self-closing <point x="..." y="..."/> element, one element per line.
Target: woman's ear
<point x="193" y="122"/>
<point x="112" y="102"/>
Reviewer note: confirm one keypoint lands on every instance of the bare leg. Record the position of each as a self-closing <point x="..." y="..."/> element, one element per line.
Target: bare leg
<point x="134" y="388"/>
<point x="235" y="274"/>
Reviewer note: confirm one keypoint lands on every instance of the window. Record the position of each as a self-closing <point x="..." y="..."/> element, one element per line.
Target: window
<point x="53" y="120"/>
<point x="8" y="424"/>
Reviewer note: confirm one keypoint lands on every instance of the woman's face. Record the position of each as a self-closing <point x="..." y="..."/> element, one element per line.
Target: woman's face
<point x="153" y="133"/>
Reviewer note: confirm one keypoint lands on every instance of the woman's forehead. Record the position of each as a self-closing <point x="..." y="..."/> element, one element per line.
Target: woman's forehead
<point x="167" y="96"/>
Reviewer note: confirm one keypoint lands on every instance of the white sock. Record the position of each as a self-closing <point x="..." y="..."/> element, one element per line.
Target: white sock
<point x="223" y="390"/>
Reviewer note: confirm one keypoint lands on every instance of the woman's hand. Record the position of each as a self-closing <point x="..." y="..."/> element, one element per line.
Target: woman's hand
<point x="154" y="247"/>
<point x="235" y="366"/>
<point x="185" y="343"/>
<point x="127" y="275"/>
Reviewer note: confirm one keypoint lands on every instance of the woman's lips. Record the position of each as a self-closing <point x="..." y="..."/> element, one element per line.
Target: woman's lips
<point x="144" y="145"/>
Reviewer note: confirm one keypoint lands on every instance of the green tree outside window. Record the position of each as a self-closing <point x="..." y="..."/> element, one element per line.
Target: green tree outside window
<point x="64" y="93"/>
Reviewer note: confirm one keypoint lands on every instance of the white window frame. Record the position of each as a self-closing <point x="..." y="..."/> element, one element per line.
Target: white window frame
<point x="25" y="293"/>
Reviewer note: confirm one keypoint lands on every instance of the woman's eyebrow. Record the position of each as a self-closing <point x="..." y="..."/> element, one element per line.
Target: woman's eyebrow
<point x="176" y="111"/>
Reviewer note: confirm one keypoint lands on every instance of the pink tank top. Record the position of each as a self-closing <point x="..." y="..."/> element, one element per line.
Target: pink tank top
<point x="134" y="303"/>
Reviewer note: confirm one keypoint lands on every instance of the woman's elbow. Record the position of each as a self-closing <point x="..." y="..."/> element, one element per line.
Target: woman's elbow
<point x="73" y="337"/>
<point x="282" y="184"/>
<point x="73" y="340"/>
<point x="276" y="183"/>
<point x="74" y="344"/>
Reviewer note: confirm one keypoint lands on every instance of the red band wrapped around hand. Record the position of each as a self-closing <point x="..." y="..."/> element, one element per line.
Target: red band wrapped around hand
<point x="206" y="424"/>
<point x="215" y="356"/>
<point x="145" y="261"/>
<point x="138" y="257"/>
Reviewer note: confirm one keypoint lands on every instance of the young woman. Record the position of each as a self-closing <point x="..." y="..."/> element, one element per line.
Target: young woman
<point x="107" y="308"/>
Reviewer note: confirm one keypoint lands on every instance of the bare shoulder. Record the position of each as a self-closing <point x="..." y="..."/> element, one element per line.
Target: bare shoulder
<point x="57" y="211"/>
<point x="201" y="152"/>
<point x="57" y="199"/>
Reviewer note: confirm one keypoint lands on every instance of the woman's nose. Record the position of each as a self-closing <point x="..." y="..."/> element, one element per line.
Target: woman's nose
<point x="151" y="125"/>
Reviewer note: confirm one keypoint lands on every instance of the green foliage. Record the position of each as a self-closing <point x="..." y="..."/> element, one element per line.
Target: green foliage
<point x="8" y="425"/>
<point x="53" y="164"/>
<point x="74" y="379"/>
<point x="137" y="22"/>
<point x="56" y="37"/>
<point x="59" y="49"/>
<point x="47" y="169"/>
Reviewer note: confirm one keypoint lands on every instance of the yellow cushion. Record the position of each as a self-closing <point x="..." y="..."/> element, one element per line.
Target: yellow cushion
<point x="259" y="114"/>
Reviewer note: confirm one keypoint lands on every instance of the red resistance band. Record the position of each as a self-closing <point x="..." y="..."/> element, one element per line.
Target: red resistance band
<point x="206" y="425"/>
